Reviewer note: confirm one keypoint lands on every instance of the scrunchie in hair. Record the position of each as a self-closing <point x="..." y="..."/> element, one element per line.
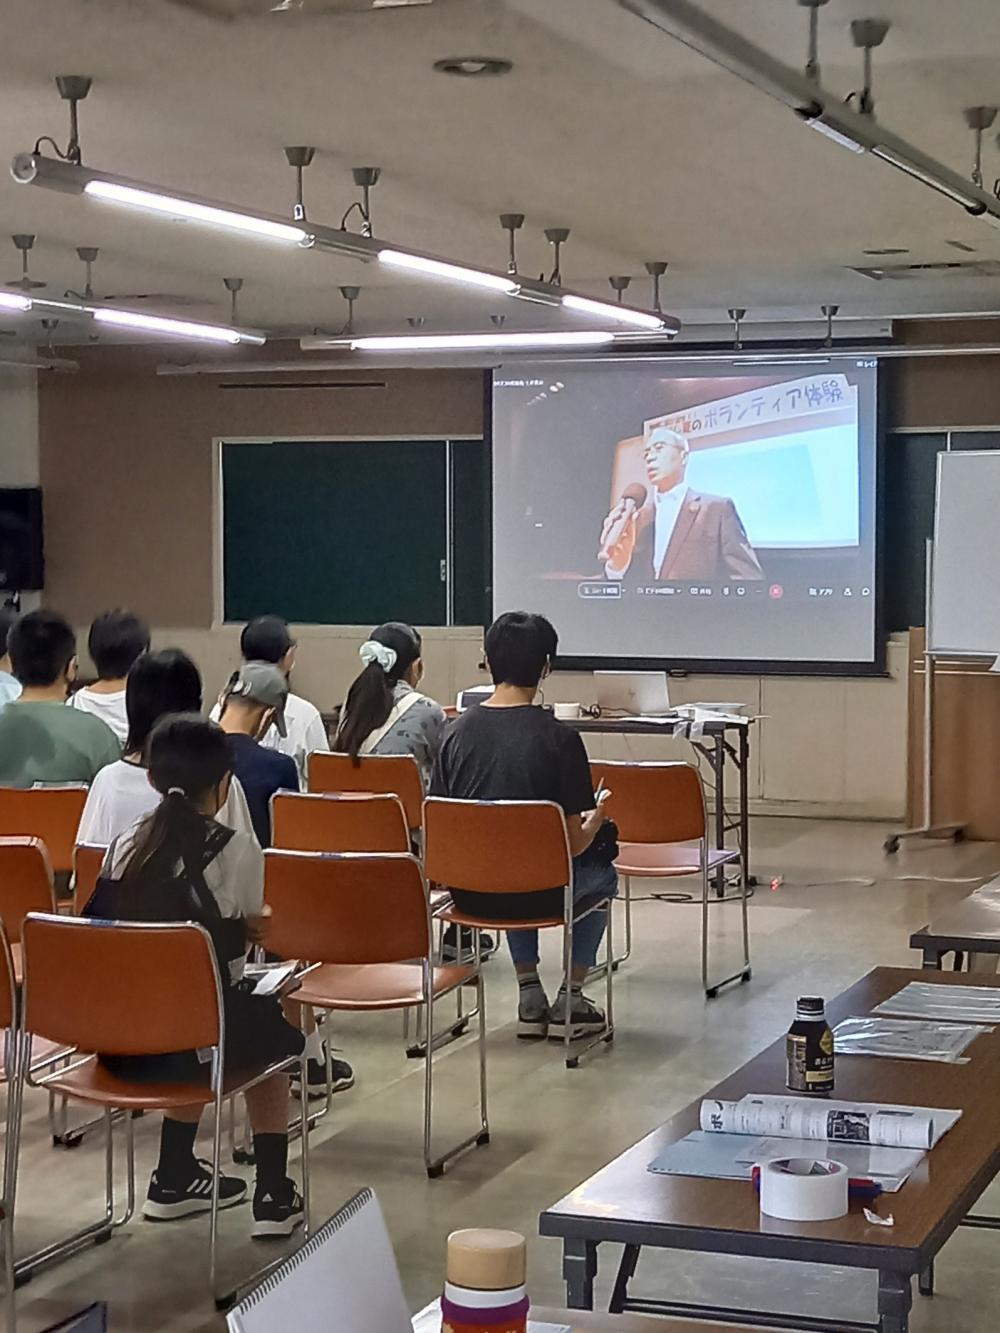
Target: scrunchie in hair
<point x="378" y="652"/>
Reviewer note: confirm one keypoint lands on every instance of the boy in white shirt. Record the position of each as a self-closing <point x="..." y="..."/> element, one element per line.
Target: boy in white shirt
<point x="117" y="639"/>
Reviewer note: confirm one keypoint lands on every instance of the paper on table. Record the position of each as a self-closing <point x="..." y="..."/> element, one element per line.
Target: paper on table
<point x="963" y="1004"/>
<point x="906" y="1038"/>
<point x="733" y="1157"/>
<point x="840" y="1122"/>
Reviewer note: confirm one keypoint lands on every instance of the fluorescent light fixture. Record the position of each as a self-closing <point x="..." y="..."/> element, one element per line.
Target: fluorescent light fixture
<point x="478" y="342"/>
<point x="178" y="328"/>
<point x="14" y="301"/>
<point x="189" y="210"/>
<point x="834" y="134"/>
<point x="624" y="314"/>
<point x="438" y="268"/>
<point x="956" y="195"/>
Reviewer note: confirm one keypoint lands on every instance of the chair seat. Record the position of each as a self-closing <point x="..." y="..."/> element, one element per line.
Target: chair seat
<point x="456" y="918"/>
<point x="663" y="859"/>
<point x="92" y="1082"/>
<point x="376" y="985"/>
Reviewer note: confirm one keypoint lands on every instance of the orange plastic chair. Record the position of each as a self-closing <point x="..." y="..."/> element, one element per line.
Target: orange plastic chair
<point x="338" y="823"/>
<point x="26" y="885"/>
<point x="509" y="847"/>
<point x="50" y="813"/>
<point x="365" y="918"/>
<point x="660" y="813"/>
<point x="128" y="989"/>
<point x="392" y="774"/>
<point x="8" y="1018"/>
<point x="87" y="861"/>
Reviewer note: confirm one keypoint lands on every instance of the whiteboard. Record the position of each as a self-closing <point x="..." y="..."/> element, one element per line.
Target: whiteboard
<point x="965" y="570"/>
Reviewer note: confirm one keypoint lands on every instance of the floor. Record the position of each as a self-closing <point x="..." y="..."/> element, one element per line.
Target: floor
<point x="836" y="907"/>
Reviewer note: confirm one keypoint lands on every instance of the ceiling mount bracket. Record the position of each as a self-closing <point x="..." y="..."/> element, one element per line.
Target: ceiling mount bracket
<point x="511" y="223"/>
<point x="498" y="321"/>
<point x="979" y="119"/>
<point x="867" y="34"/>
<point x="416" y="322"/>
<point x="812" y="59"/>
<point x="557" y="238"/>
<point x="87" y="255"/>
<point x="366" y="178"/>
<point x="620" y="283"/>
<point x="656" y="269"/>
<point x="829" y="312"/>
<point x="299" y="156"/>
<point x="737" y="314"/>
<point x="233" y="286"/>
<point x="350" y="295"/>
<point x="23" y="241"/>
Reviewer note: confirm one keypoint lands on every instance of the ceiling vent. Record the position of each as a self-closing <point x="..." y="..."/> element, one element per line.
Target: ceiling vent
<point x="983" y="268"/>
<point x="240" y="9"/>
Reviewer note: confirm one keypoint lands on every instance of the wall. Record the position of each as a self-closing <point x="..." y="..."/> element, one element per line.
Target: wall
<point x="18" y="427"/>
<point x="126" y="463"/>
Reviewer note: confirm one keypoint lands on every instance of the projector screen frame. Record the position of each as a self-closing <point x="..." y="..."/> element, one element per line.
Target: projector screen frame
<point x="702" y="666"/>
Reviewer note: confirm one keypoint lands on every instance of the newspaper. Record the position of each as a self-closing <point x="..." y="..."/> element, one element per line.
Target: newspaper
<point x="907" y="1038"/>
<point x="961" y="1004"/>
<point x="839" y="1122"/>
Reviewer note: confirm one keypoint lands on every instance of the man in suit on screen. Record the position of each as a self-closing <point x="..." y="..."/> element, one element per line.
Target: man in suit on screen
<point x="672" y="532"/>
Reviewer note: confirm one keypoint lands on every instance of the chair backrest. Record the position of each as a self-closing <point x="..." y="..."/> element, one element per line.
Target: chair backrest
<point x="8" y="984"/>
<point x="87" y="861"/>
<point x="652" y="802"/>
<point x="352" y="908"/>
<point x="392" y="774"/>
<point x="351" y="822"/>
<point x="495" y="846"/>
<point x="50" y="813"/>
<point x="121" y="988"/>
<point x="25" y="882"/>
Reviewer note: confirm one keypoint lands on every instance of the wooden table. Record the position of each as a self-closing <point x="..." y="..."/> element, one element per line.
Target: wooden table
<point x="971" y="926"/>
<point x="626" y="1203"/>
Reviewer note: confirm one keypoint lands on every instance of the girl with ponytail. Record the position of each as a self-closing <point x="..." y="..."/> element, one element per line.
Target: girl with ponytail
<point x="179" y="864"/>
<point x="384" y="713"/>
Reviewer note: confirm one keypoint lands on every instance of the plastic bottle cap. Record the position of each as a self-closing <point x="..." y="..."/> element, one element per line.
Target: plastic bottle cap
<point x="485" y="1260"/>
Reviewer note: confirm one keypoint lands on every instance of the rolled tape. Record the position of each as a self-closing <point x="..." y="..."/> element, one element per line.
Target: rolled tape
<point x="801" y="1189"/>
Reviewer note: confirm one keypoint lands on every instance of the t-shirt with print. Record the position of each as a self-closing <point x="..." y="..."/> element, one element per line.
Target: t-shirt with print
<point x="513" y="754"/>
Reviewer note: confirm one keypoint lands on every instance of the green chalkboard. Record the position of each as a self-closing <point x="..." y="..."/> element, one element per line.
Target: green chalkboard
<point x="335" y="532"/>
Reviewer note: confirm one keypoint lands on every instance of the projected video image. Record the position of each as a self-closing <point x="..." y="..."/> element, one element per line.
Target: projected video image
<point x="744" y="505"/>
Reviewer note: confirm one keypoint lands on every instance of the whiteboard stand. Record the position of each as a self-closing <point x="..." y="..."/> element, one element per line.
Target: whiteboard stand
<point x="927" y="829"/>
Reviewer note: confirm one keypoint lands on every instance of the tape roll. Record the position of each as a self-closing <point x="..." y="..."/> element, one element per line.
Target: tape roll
<point x="802" y="1189"/>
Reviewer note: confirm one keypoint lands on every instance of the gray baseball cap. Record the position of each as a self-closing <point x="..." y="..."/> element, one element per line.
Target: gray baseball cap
<point x="262" y="683"/>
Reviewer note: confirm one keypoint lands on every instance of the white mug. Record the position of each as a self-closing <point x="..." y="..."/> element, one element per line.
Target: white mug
<point x="566" y="712"/>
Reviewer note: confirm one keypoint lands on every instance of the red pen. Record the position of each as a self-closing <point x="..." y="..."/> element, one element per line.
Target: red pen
<point x="860" y="1186"/>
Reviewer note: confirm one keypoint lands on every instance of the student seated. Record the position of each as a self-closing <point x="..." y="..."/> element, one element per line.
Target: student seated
<point x="41" y="740"/>
<point x="267" y="639"/>
<point x="384" y="713"/>
<point x="252" y="704"/>
<point x="116" y="640"/>
<point x="10" y="687"/>
<point x="159" y="683"/>
<point x="179" y="864"/>
<point x="506" y="749"/>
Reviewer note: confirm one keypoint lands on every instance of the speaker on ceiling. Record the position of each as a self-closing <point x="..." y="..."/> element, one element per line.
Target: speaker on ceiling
<point x="22" y="552"/>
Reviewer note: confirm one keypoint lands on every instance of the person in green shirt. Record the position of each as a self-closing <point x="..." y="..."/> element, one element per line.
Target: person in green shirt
<point x="41" y="740"/>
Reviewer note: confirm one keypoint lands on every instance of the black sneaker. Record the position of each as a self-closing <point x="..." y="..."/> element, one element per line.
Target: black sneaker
<point x="450" y="950"/>
<point x="277" y="1216"/>
<point x="165" y="1205"/>
<point x="585" y="1020"/>
<point x="341" y="1074"/>
<point x="533" y="1015"/>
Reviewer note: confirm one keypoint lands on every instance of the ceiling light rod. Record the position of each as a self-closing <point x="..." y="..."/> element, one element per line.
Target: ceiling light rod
<point x="656" y="269"/>
<point x="979" y="119"/>
<point x="299" y="157"/>
<point x="557" y="238"/>
<point x="366" y="178"/>
<point x="233" y="286"/>
<point x="737" y="314"/>
<point x="822" y="110"/>
<point x="512" y="224"/>
<point x="867" y="34"/>
<point x="73" y="88"/>
<point x="812" y="60"/>
<point x="829" y="312"/>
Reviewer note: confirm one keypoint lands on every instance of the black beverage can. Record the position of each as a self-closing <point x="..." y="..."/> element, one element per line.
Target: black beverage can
<point x="809" y="1049"/>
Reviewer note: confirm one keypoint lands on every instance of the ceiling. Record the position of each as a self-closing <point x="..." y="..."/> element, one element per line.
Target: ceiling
<point x="604" y="125"/>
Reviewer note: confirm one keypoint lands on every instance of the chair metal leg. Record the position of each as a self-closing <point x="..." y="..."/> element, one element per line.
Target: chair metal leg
<point x="435" y="1165"/>
<point x="744" y="973"/>
<point x="213" y="1217"/>
<point x="607" y="1035"/>
<point x="568" y="979"/>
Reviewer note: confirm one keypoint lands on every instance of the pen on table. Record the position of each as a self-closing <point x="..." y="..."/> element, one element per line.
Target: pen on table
<point x="859" y="1187"/>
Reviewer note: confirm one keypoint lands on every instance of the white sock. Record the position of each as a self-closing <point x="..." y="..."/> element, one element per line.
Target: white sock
<point x="314" y="1047"/>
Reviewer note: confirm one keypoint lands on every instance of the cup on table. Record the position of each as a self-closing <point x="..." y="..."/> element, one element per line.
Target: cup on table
<point x="566" y="712"/>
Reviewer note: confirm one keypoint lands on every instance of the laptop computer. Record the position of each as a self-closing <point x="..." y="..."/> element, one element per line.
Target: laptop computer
<point x="641" y="693"/>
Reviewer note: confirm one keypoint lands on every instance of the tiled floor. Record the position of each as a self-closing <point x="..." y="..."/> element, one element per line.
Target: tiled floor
<point x="842" y="908"/>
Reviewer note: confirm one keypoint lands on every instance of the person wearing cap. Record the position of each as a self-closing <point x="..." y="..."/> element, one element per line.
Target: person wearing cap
<point x="268" y="639"/>
<point x="676" y="533"/>
<point x="253" y="703"/>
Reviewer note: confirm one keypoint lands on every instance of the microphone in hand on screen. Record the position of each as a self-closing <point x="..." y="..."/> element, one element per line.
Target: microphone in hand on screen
<point x="619" y="531"/>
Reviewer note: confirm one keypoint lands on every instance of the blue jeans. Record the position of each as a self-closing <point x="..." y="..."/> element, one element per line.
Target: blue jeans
<point x="589" y="881"/>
